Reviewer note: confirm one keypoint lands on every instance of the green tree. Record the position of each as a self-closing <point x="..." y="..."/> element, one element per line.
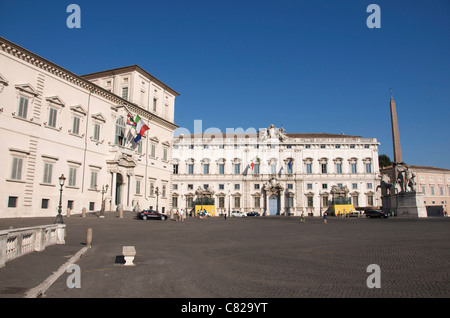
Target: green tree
<point x="384" y="161"/>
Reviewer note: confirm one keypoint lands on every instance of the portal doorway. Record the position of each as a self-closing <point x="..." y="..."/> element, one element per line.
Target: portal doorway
<point x="119" y="184"/>
<point x="273" y="205"/>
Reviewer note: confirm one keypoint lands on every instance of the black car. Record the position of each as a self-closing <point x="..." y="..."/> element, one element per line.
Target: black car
<point x="150" y="214"/>
<point x="252" y="214"/>
<point x="376" y="214"/>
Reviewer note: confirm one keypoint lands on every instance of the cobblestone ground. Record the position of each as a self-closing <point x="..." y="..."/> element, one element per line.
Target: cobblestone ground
<point x="276" y="257"/>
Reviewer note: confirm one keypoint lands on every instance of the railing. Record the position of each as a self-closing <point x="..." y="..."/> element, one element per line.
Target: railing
<point x="17" y="242"/>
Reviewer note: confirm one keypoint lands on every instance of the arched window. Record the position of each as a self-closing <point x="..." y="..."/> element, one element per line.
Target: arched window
<point x="120" y="132"/>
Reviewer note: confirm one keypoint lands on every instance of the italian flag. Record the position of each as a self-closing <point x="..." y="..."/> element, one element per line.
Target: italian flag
<point x="141" y="128"/>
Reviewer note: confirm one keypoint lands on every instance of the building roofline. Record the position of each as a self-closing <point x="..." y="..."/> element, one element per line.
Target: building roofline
<point x="52" y="68"/>
<point x="130" y="68"/>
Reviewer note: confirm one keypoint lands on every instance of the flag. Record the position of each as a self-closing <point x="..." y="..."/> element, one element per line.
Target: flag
<point x="130" y="139"/>
<point x="130" y="121"/>
<point x="141" y="128"/>
<point x="290" y="163"/>
<point x="252" y="165"/>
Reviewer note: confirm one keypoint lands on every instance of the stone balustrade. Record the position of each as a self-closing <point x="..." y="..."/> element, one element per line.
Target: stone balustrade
<point x="17" y="242"/>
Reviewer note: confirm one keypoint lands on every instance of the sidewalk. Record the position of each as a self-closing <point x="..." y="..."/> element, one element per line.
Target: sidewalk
<point x="26" y="272"/>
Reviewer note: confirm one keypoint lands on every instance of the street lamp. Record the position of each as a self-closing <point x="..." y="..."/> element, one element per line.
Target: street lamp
<point x="59" y="219"/>
<point x="102" y="211"/>
<point x="157" y="196"/>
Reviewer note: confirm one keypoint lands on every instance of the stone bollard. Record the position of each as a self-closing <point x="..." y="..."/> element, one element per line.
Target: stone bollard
<point x="68" y="213"/>
<point x="89" y="237"/>
<point x="120" y="213"/>
<point x="83" y="213"/>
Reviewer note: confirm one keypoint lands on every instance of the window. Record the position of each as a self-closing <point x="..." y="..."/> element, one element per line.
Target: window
<point x="138" y="187"/>
<point x="324" y="201"/>
<point x="256" y="186"/>
<point x="324" y="186"/>
<point x="273" y="168"/>
<point x="190" y="187"/>
<point x="221" y="168"/>
<point x="257" y="201"/>
<point x="369" y="185"/>
<point x="165" y="154"/>
<point x="91" y="206"/>
<point x="290" y="186"/>
<point x="120" y="131"/>
<point x="153" y="151"/>
<point x="175" y="169"/>
<point x="353" y="167"/>
<point x="72" y="182"/>
<point x="152" y="188"/>
<point x="164" y="192"/>
<point x="76" y="125"/>
<point x="256" y="168"/>
<point x="205" y="186"/>
<point x="175" y="202"/>
<point x="221" y="202"/>
<point x="125" y="93"/>
<point x="324" y="167"/>
<point x="96" y="132"/>
<point x="155" y="102"/>
<point x="308" y="168"/>
<point x="339" y="168"/>
<point x="48" y="167"/>
<point x="423" y="188"/>
<point x="237" y="202"/>
<point x="23" y="107"/>
<point x="354" y="186"/>
<point x="221" y="186"/>
<point x="12" y="202"/>
<point x="352" y="146"/>
<point x="432" y="189"/>
<point x="206" y="168"/>
<point x="368" y="168"/>
<point x="191" y="168"/>
<point x="52" y="117"/>
<point x="174" y="186"/>
<point x="93" y="184"/>
<point x="16" y="171"/>
<point x="309" y="186"/>
<point x="370" y="200"/>
<point x="237" y="168"/>
<point x="70" y="204"/>
<point x="44" y="204"/>
<point x="237" y="186"/>
<point x="310" y="203"/>
<point x="355" y="200"/>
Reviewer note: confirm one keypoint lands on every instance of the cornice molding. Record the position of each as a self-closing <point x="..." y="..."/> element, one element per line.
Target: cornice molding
<point x="54" y="69"/>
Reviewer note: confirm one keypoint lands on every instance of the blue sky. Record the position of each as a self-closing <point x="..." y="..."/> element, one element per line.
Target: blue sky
<point x="311" y="66"/>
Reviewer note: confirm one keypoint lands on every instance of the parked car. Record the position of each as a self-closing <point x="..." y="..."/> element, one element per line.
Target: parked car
<point x="252" y="214"/>
<point x="150" y="214"/>
<point x="238" y="214"/>
<point x="376" y="214"/>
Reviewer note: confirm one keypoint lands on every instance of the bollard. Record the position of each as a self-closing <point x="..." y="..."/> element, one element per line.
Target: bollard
<point x="120" y="213"/>
<point x="83" y="213"/>
<point x="68" y="213"/>
<point x="89" y="237"/>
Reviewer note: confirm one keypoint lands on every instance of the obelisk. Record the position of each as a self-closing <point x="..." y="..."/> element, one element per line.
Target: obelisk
<point x="395" y="133"/>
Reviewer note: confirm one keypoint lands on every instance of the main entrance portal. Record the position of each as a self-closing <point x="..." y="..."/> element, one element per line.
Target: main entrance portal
<point x="273" y="205"/>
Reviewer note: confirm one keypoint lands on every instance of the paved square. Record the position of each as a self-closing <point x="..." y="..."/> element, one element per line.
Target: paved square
<point x="276" y="257"/>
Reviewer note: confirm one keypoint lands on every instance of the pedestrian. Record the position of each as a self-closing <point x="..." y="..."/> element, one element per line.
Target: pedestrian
<point x="178" y="215"/>
<point x="302" y="217"/>
<point x="225" y="215"/>
<point x="181" y="215"/>
<point x="325" y="218"/>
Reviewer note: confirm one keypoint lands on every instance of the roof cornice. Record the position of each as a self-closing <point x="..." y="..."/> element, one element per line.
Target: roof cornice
<point x="52" y="68"/>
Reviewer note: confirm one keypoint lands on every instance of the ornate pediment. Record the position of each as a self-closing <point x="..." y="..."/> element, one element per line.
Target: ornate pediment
<point x="27" y="88"/>
<point x="99" y="117"/>
<point x="55" y="100"/>
<point x="78" y="109"/>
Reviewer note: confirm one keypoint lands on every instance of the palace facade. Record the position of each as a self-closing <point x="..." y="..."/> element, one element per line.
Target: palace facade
<point x="273" y="172"/>
<point x="54" y="122"/>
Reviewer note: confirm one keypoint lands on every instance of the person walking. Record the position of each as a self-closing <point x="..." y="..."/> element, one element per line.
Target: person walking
<point x="302" y="217"/>
<point x="182" y="215"/>
<point x="325" y="217"/>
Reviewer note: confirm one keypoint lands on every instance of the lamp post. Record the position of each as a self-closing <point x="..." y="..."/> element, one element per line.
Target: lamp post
<point x="59" y="219"/>
<point x="157" y="196"/>
<point x="102" y="211"/>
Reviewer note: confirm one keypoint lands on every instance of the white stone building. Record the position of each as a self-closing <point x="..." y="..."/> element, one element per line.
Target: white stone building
<point x="54" y="122"/>
<point x="273" y="172"/>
